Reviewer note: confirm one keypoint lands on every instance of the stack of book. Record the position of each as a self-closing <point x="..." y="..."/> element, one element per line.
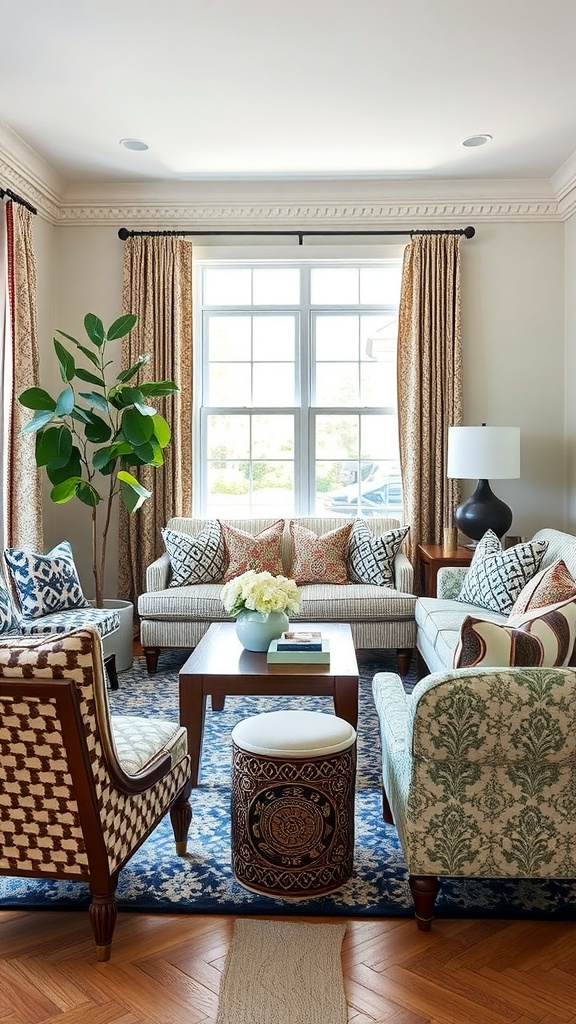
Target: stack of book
<point x="293" y="647"/>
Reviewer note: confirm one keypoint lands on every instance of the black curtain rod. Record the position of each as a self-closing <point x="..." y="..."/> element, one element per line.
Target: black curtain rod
<point x="125" y="233"/>
<point x="16" y="199"/>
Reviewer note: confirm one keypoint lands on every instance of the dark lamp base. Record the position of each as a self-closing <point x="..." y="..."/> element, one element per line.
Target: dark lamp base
<point x="483" y="511"/>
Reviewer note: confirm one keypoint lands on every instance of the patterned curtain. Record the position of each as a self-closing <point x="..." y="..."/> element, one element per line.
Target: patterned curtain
<point x="158" y="288"/>
<point x="429" y="382"/>
<point x="23" y="526"/>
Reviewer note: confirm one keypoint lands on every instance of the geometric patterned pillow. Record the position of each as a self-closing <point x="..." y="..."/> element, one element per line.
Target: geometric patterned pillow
<point x="545" y="638"/>
<point x="496" y="577"/>
<point x="548" y="586"/>
<point x="8" y="617"/>
<point x="371" y="558"/>
<point x="200" y="559"/>
<point x="45" y="583"/>
<point x="320" y="559"/>
<point x="261" y="552"/>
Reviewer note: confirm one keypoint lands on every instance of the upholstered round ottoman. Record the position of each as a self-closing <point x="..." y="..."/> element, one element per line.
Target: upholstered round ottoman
<point x="293" y="782"/>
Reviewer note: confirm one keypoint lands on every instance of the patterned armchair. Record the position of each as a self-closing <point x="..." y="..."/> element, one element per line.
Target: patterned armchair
<point x="479" y="773"/>
<point x="80" y="790"/>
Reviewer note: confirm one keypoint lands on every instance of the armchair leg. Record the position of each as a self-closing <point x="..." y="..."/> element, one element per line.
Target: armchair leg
<point x="103" y="913"/>
<point x="386" y="809"/>
<point x="424" y="890"/>
<point x="151" y="654"/>
<point x="180" y="817"/>
<point x="404" y="655"/>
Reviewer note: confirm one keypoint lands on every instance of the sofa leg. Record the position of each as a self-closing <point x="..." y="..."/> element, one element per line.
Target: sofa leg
<point x="386" y="809"/>
<point x="424" y="889"/>
<point x="151" y="654"/>
<point x="180" y="817"/>
<point x="422" y="668"/>
<point x="404" y="655"/>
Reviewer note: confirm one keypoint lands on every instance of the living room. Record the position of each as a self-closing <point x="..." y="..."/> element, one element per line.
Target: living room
<point x="518" y="300"/>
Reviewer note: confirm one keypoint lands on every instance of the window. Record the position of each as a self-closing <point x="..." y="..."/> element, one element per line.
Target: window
<point x="296" y="396"/>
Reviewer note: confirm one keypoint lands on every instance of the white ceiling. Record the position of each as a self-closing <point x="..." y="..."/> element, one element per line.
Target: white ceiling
<point x="250" y="89"/>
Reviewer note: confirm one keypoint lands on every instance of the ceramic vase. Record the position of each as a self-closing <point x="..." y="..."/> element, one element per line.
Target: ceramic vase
<point x="255" y="631"/>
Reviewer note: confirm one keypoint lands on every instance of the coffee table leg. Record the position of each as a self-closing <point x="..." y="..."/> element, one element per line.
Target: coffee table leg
<point x="346" y="700"/>
<point x="192" y="708"/>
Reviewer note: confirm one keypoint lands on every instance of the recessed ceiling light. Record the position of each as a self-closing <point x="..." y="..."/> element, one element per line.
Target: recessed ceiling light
<point x="133" y="144"/>
<point x="477" y="140"/>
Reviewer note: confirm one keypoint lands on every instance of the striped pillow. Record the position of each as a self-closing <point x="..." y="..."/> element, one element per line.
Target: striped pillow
<point x="543" y="637"/>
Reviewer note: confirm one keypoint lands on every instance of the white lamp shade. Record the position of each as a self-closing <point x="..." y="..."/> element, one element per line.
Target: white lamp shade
<point x="483" y="453"/>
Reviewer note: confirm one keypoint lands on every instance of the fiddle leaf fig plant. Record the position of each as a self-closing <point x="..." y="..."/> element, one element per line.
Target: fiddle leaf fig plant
<point x="89" y="441"/>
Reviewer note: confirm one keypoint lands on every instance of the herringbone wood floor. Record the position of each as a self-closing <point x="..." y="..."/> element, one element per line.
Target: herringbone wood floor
<point x="165" y="969"/>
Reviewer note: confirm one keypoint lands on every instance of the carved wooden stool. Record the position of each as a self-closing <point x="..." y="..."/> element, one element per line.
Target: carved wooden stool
<point x="293" y="782"/>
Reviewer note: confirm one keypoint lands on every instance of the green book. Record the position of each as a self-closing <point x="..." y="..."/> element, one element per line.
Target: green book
<point x="276" y="657"/>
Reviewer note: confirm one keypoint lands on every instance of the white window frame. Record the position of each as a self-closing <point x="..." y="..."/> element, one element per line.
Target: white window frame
<point x="305" y="415"/>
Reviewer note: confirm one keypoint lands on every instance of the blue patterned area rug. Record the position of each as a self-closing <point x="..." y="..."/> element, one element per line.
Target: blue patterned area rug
<point x="156" y="880"/>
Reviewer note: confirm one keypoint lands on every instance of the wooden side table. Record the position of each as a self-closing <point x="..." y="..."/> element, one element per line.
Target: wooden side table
<point x="432" y="557"/>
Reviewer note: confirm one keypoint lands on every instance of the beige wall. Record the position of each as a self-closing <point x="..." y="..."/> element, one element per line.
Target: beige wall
<point x="514" y="352"/>
<point x="570" y="370"/>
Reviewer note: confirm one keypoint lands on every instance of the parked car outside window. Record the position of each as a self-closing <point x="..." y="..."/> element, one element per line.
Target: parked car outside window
<point x="375" y="499"/>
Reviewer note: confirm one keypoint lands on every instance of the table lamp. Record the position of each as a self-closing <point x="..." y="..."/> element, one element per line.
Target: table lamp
<point x="482" y="453"/>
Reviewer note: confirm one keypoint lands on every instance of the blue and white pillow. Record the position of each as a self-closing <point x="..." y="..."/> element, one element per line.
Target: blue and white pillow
<point x="200" y="559"/>
<point x="8" y="617"/>
<point x="371" y="557"/>
<point x="45" y="583"/>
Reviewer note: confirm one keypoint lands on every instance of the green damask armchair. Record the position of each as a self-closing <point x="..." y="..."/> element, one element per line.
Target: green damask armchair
<point x="479" y="775"/>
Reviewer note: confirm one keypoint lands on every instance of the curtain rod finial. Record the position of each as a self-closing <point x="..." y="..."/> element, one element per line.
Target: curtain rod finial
<point x="123" y="234"/>
<point x="469" y="232"/>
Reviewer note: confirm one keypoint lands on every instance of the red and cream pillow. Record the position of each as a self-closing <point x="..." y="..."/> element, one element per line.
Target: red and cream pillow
<point x="549" y="586"/>
<point x="320" y="558"/>
<point x="542" y="637"/>
<point x="261" y="551"/>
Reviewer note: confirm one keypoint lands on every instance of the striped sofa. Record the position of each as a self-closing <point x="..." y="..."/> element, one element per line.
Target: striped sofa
<point x="380" y="617"/>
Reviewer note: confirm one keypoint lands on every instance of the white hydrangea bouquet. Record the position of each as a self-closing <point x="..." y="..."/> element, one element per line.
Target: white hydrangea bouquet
<point x="260" y="592"/>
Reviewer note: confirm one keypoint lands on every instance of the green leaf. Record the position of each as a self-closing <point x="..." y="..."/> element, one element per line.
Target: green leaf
<point x="65" y="491"/>
<point x="87" y="494"/>
<point x="58" y="473"/>
<point x="94" y="329"/>
<point x="66" y="361"/>
<point x="137" y="429"/>
<point x="106" y="457"/>
<point x="80" y="414"/>
<point x="149" y="454"/>
<point x="95" y="400"/>
<point x="54" y="446"/>
<point x="90" y="378"/>
<point x="121" y="327"/>
<point x="39" y="420"/>
<point x="158" y="388"/>
<point x="122" y="396"/>
<point x="89" y="354"/>
<point x="162" y="431"/>
<point x="145" y="410"/>
<point x="65" y="402"/>
<point x="97" y="430"/>
<point x="133" y="493"/>
<point x="132" y="370"/>
<point x="37" y="398"/>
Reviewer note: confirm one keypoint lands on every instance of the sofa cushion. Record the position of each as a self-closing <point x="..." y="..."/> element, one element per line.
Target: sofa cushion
<point x="496" y="577"/>
<point x="438" y="628"/>
<point x="45" y="583"/>
<point x="543" y="638"/>
<point x="261" y="552"/>
<point x="105" y="620"/>
<point x="371" y="557"/>
<point x="320" y="558"/>
<point x="200" y="559"/>
<point x="549" y="586"/>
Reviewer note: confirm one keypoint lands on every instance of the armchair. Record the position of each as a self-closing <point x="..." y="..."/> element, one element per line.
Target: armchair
<point x="80" y="790"/>
<point x="478" y="770"/>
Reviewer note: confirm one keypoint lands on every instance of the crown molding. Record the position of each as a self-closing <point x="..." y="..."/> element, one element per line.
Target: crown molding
<point x="27" y="174"/>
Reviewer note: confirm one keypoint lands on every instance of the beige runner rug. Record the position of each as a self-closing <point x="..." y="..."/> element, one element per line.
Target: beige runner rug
<point x="283" y="972"/>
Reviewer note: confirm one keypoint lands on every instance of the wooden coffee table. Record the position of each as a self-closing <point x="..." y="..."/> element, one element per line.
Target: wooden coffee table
<point x="220" y="666"/>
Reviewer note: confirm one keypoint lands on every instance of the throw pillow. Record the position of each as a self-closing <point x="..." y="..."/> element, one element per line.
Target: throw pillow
<point x="496" y="577"/>
<point x="550" y="585"/>
<point x="8" y="617"/>
<point x="261" y="552"/>
<point x="200" y="559"/>
<point x="371" y="557"/>
<point x="320" y="559"/>
<point x="45" y="583"/>
<point x="544" y="638"/>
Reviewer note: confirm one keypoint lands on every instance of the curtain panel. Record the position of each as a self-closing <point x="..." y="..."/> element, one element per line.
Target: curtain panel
<point x="23" y="527"/>
<point x="157" y="287"/>
<point x="429" y="382"/>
